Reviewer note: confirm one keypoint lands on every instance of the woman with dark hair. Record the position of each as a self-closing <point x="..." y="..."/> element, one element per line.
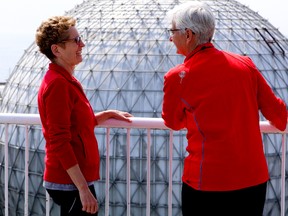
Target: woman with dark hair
<point x="72" y="158"/>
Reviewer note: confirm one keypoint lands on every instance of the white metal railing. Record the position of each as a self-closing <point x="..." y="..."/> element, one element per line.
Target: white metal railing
<point x="144" y="123"/>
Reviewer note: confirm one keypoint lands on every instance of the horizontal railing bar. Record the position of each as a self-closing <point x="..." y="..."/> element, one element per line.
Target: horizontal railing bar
<point x="20" y="118"/>
<point x="137" y="122"/>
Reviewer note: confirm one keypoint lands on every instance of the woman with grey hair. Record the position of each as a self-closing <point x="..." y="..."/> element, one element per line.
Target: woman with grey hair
<point x="216" y="95"/>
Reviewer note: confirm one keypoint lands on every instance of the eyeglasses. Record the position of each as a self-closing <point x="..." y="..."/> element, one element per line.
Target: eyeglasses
<point x="77" y="40"/>
<point x="172" y="31"/>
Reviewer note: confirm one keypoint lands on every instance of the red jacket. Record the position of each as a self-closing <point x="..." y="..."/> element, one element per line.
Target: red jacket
<point x="217" y="95"/>
<point x="68" y="123"/>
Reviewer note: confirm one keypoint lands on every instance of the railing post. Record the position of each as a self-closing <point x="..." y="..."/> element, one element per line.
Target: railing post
<point x="107" y="180"/>
<point x="6" y="155"/>
<point x="26" y="190"/>
<point x="283" y="175"/>
<point x="128" y="173"/>
<point x="170" y="173"/>
<point x="148" y="172"/>
<point x="47" y="204"/>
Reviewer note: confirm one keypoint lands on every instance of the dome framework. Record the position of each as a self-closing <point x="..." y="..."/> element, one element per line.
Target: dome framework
<point x="126" y="55"/>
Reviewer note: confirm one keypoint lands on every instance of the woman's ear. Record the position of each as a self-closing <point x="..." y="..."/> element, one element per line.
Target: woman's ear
<point x="55" y="50"/>
<point x="189" y="33"/>
<point x="190" y="37"/>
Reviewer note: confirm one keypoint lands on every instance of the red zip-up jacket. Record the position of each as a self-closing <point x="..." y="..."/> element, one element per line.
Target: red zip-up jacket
<point x="217" y="96"/>
<point x="68" y="123"/>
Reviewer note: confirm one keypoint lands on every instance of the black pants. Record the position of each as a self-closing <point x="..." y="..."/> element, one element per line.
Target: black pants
<point x="245" y="202"/>
<point x="70" y="202"/>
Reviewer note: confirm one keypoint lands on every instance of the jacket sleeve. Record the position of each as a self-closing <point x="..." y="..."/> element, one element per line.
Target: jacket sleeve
<point x="272" y="107"/>
<point x="58" y="105"/>
<point x="173" y="111"/>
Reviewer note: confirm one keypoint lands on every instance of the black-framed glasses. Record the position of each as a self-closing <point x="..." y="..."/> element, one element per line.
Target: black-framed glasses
<point x="77" y="40"/>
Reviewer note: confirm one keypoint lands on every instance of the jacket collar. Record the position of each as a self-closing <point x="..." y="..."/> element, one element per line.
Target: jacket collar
<point x="199" y="48"/>
<point x="63" y="72"/>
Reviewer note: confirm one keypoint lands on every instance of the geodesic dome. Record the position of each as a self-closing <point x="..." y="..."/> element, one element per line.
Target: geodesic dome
<point x="126" y="55"/>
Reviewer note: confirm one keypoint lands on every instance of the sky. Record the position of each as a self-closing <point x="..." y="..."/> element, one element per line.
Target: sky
<point x="19" y="20"/>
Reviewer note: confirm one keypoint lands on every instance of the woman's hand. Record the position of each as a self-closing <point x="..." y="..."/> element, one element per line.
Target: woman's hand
<point x="116" y="114"/>
<point x="120" y="115"/>
<point x="89" y="202"/>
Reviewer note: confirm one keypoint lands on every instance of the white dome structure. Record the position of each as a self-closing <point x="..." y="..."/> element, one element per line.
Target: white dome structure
<point x="126" y="55"/>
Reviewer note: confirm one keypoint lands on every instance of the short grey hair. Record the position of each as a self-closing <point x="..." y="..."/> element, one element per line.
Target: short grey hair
<point x="196" y="16"/>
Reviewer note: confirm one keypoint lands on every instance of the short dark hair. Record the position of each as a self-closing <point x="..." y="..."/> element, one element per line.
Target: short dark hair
<point x="53" y="31"/>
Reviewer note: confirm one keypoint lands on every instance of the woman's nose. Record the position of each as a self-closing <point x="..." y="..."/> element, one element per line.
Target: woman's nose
<point x="82" y="44"/>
